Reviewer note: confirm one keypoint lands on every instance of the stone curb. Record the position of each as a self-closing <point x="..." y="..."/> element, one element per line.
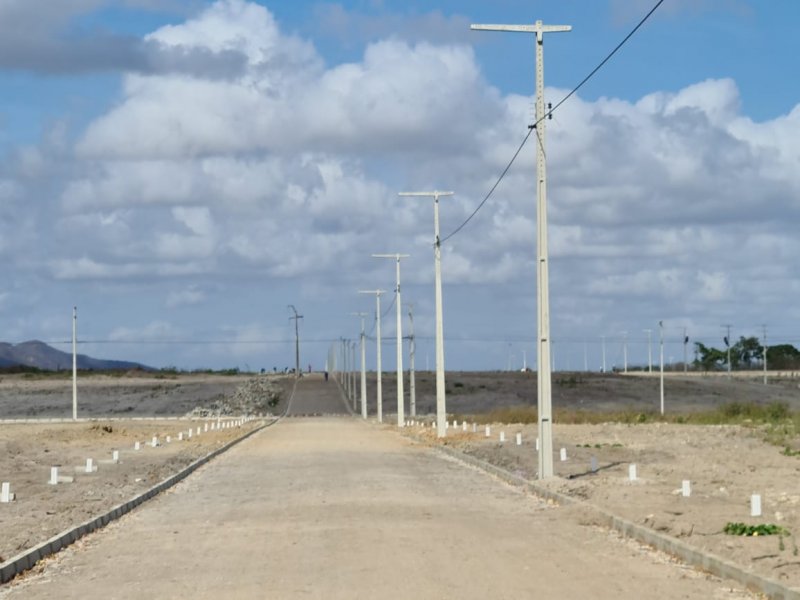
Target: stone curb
<point x="706" y="561"/>
<point x="26" y="560"/>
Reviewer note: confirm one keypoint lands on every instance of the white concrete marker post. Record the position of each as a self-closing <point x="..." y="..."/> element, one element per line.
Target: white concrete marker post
<point x="169" y="439"/>
<point x="137" y="446"/>
<point x="154" y="442"/>
<point x="686" y="488"/>
<point x="206" y="427"/>
<point x="537" y="444"/>
<point x="488" y="431"/>
<point x="755" y="505"/>
<point x="89" y="465"/>
<point x="180" y="436"/>
<point x="593" y="464"/>
<point x="464" y="426"/>
<point x="632" y="472"/>
<point x="519" y="439"/>
<point x="563" y="454"/>
<point x="115" y="456"/>
<point x="5" y="493"/>
<point x="53" y="476"/>
<point x="502" y="436"/>
<point x="474" y="428"/>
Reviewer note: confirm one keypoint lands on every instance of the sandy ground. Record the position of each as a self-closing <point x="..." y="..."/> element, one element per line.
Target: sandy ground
<point x="725" y="465"/>
<point x="334" y="508"/>
<point x="28" y="451"/>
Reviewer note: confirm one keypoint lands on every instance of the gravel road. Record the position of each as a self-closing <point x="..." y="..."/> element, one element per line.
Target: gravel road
<point x="335" y="508"/>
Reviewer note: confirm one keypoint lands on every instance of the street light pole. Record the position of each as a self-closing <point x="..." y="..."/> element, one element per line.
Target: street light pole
<point x="728" y="344"/>
<point x="625" y="351"/>
<point x="661" y="345"/>
<point x="412" y="350"/>
<point x="74" y="363"/>
<point x="542" y="270"/>
<point x="296" y="318"/>
<point x="649" y="333"/>
<point x="401" y="417"/>
<point x="363" y="339"/>
<point x="441" y="409"/>
<point x="379" y="386"/>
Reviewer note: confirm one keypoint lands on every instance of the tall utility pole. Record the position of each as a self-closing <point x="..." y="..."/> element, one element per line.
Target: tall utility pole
<point x="353" y="368"/>
<point x="401" y="416"/>
<point x="296" y="318"/>
<point x="74" y="363"/>
<point x="603" y="345"/>
<point x="649" y="333"/>
<point x="728" y="344"/>
<point x="625" y="351"/>
<point x="764" y="346"/>
<point x="379" y="384"/>
<point x="412" y="350"/>
<point x="441" y="409"/>
<point x="685" y="351"/>
<point x="363" y="340"/>
<point x="542" y="271"/>
<point x="661" y="345"/>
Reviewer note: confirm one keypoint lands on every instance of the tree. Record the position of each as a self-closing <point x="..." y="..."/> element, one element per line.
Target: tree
<point x="709" y="359"/>
<point x="746" y="353"/>
<point x="783" y="356"/>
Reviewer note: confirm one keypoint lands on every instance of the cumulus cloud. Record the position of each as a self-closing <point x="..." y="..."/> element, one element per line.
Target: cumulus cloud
<point x="287" y="169"/>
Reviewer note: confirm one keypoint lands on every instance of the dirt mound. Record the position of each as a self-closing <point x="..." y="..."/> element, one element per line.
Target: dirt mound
<point x="257" y="396"/>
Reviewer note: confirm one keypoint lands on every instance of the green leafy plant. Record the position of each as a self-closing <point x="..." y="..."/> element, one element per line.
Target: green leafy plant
<point x="754" y="530"/>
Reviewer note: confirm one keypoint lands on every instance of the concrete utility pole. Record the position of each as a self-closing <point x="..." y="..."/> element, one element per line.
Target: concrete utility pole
<point x="649" y="333"/>
<point x="625" y="351"/>
<point x="441" y="409"/>
<point x="353" y="369"/>
<point x="363" y="339"/>
<point x="296" y="318"/>
<point x="764" y="338"/>
<point x="542" y="272"/>
<point x="728" y="344"/>
<point x="401" y="415"/>
<point x="379" y="385"/>
<point x="74" y="363"/>
<point x="603" y="345"/>
<point x="661" y="345"/>
<point x="412" y="350"/>
<point x="685" y="351"/>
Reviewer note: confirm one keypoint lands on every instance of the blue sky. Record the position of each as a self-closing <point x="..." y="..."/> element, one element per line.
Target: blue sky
<point x="183" y="170"/>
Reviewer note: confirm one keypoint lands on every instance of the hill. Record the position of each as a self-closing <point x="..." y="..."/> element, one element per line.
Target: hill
<point x="41" y="356"/>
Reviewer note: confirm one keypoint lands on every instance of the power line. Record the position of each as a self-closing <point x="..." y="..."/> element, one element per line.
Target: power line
<point x="549" y="114"/>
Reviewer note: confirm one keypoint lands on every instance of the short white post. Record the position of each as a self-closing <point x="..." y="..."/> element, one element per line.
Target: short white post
<point x="686" y="488"/>
<point x="447" y="425"/>
<point x="137" y="446"/>
<point x="464" y="426"/>
<point x="190" y="433"/>
<point x="593" y="464"/>
<point x="198" y="431"/>
<point x="89" y="465"/>
<point x="455" y="423"/>
<point x="474" y="428"/>
<point x="53" y="476"/>
<point x="169" y="439"/>
<point x="115" y="456"/>
<point x="180" y="436"/>
<point x="755" y="505"/>
<point x="563" y="454"/>
<point x="488" y="431"/>
<point x="154" y="442"/>
<point x="519" y="439"/>
<point x="502" y="436"/>
<point x="5" y="492"/>
<point x="632" y="472"/>
<point x="206" y="427"/>
<point x="537" y="444"/>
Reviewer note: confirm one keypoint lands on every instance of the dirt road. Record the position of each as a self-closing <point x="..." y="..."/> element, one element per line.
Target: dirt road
<point x="334" y="508"/>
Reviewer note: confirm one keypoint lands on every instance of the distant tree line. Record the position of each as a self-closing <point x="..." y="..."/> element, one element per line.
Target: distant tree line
<point x="747" y="353"/>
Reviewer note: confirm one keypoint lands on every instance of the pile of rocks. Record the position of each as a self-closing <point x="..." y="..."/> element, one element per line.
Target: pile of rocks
<point x="257" y="396"/>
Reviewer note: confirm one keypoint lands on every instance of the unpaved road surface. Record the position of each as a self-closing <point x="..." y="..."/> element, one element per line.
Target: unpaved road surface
<point x="335" y="508"/>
